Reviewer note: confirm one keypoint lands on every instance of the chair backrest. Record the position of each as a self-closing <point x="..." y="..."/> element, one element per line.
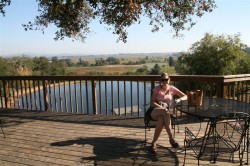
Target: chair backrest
<point x="231" y="129"/>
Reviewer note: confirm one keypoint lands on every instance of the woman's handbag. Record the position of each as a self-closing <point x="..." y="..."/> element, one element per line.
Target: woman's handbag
<point x="195" y="98"/>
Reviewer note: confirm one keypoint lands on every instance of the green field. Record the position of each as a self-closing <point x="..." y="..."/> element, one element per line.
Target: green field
<point x="128" y="64"/>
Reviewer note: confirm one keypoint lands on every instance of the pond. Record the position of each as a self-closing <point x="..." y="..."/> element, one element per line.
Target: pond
<point x="61" y="97"/>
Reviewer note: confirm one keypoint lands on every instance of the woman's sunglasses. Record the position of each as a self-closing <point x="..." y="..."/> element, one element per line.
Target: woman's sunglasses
<point x="164" y="80"/>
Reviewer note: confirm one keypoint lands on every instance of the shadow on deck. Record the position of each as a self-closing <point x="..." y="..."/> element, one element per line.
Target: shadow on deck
<point x="46" y="138"/>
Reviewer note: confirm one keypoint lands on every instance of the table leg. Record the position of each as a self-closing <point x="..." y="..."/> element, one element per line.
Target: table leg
<point x="211" y="131"/>
<point x="214" y="135"/>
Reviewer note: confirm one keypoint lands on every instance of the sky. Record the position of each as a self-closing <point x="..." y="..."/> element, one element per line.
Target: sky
<point x="229" y="18"/>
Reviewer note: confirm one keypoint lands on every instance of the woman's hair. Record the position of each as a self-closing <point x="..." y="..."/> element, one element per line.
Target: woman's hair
<point x="164" y="75"/>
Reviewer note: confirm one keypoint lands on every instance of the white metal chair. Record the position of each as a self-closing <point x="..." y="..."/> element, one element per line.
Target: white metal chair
<point x="224" y="135"/>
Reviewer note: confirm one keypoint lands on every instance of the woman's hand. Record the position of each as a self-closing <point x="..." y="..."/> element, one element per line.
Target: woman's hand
<point x="176" y="102"/>
<point x="164" y="105"/>
<point x="184" y="97"/>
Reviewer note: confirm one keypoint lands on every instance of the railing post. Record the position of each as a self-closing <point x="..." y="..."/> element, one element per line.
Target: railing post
<point x="152" y="87"/>
<point x="93" y="85"/>
<point x="5" y="91"/>
<point x="45" y="95"/>
<point x="221" y="92"/>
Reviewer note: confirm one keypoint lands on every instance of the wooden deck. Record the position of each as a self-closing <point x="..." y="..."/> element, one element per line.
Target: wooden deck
<point x="46" y="138"/>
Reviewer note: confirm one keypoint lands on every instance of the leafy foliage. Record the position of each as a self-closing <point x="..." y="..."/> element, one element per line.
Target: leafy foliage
<point x="3" y="66"/>
<point x="23" y="65"/>
<point x="101" y="62"/>
<point x="57" y="68"/>
<point x="141" y="71"/>
<point x="4" y="3"/>
<point x="247" y="50"/>
<point x="156" y="70"/>
<point x="41" y="66"/>
<point x="215" y="55"/>
<point x="113" y="60"/>
<point x="72" y="17"/>
<point x="15" y="66"/>
<point x="171" y="61"/>
<point x="83" y="63"/>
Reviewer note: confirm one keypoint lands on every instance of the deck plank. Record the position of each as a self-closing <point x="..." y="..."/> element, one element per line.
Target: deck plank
<point x="47" y="138"/>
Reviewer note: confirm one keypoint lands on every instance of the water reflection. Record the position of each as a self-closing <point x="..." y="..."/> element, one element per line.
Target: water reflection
<point x="110" y="94"/>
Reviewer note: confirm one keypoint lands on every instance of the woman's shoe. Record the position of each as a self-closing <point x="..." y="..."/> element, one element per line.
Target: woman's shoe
<point x="153" y="149"/>
<point x="174" y="143"/>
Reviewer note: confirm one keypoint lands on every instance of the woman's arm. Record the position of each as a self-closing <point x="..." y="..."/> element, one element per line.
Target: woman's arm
<point x="181" y="95"/>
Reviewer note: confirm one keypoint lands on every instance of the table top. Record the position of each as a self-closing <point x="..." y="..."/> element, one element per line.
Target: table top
<point x="213" y="107"/>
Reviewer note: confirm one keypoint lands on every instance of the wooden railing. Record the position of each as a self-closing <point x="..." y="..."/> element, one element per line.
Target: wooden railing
<point x="109" y="95"/>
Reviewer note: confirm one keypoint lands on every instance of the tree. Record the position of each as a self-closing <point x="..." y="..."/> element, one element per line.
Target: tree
<point x="113" y="60"/>
<point x="247" y="50"/>
<point x="22" y="61"/>
<point x="101" y="62"/>
<point x="68" y="62"/>
<point x="40" y="66"/>
<point x="54" y="59"/>
<point x="171" y="61"/>
<point x="20" y="65"/>
<point x="4" y="3"/>
<point x="156" y="70"/>
<point x="72" y="17"/>
<point x="143" y="70"/>
<point x="3" y="67"/>
<point x="244" y="65"/>
<point x="57" y="68"/>
<point x="82" y="62"/>
<point x="215" y="55"/>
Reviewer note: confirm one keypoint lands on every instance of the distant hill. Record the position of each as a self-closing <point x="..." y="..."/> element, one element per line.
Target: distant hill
<point x="97" y="56"/>
<point x="121" y="55"/>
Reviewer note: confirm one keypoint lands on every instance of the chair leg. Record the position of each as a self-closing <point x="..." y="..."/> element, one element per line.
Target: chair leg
<point x="247" y="142"/>
<point x="184" y="154"/>
<point x="241" y="154"/>
<point x="173" y="122"/>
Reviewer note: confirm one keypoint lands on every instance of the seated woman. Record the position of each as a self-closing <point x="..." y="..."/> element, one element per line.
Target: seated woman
<point x="163" y="93"/>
